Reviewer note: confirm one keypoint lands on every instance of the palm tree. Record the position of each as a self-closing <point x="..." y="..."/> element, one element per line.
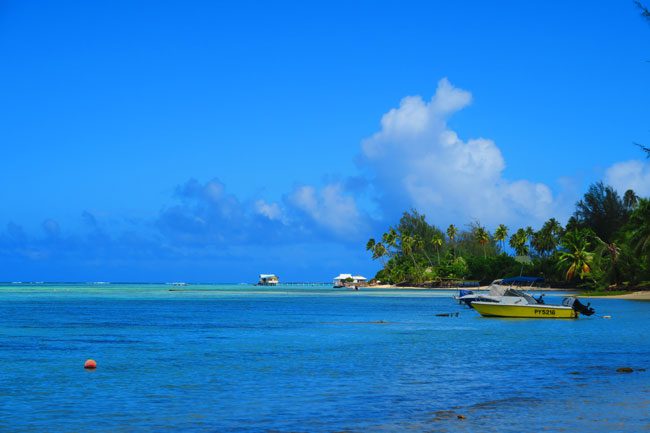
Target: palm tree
<point x="518" y="242"/>
<point x="407" y="247"/>
<point x="630" y="199"/>
<point x="554" y="226"/>
<point x="420" y="245"/>
<point x="541" y="241"/>
<point x="483" y="237"/>
<point x="390" y="242"/>
<point x="500" y="235"/>
<point x="612" y="251"/>
<point x="390" y="238"/>
<point x="437" y="243"/>
<point x="546" y="240"/>
<point x="576" y="254"/>
<point x="452" y="231"/>
<point x="640" y="224"/>
<point x="370" y="245"/>
<point x="379" y="252"/>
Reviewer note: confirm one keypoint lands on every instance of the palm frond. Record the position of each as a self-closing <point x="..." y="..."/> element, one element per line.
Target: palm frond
<point x="645" y="13"/>
<point x="644" y="148"/>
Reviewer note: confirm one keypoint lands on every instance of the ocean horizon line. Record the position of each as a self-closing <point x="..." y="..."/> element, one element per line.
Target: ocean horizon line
<point x="156" y="282"/>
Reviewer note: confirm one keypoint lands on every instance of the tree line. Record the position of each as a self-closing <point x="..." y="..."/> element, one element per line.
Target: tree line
<point x="604" y="245"/>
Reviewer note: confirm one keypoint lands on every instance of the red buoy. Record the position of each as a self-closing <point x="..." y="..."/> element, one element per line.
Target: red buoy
<point x="90" y="364"/>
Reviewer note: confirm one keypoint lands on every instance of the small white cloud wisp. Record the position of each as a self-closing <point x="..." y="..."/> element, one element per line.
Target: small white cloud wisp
<point x="329" y="208"/>
<point x="634" y="175"/>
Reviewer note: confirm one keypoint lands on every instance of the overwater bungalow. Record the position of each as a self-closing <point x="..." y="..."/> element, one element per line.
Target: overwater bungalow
<point x="268" y="280"/>
<point x="349" y="280"/>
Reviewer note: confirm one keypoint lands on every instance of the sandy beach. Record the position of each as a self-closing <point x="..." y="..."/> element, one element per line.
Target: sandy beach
<point x="634" y="296"/>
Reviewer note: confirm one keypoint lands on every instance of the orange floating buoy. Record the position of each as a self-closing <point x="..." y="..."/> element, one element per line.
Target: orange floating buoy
<point x="90" y="364"/>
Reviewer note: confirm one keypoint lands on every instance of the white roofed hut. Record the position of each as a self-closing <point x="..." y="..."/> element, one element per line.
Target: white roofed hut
<point x="349" y="280"/>
<point x="268" y="280"/>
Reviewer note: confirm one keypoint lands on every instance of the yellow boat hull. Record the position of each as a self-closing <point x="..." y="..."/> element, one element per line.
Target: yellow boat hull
<point x="493" y="309"/>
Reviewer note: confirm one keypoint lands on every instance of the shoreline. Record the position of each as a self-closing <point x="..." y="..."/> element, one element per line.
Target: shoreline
<point x="641" y="295"/>
<point x="480" y="288"/>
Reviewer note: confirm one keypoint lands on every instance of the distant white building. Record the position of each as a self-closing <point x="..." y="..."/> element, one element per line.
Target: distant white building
<point x="268" y="280"/>
<point x="350" y="280"/>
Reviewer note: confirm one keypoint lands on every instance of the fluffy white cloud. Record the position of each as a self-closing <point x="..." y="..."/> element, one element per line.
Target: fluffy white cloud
<point x="633" y="175"/>
<point x="415" y="160"/>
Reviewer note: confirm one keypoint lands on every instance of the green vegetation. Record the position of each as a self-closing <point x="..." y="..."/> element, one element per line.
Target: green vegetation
<point x="604" y="246"/>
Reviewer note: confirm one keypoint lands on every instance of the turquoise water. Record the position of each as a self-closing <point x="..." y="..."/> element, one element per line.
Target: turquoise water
<point x="310" y="359"/>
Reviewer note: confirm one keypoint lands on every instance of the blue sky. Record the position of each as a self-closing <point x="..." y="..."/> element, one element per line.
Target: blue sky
<point x="212" y="141"/>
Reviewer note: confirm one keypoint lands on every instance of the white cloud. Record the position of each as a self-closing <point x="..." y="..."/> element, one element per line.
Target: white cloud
<point x="634" y="175"/>
<point x="329" y="208"/>
<point x="272" y="211"/>
<point x="416" y="160"/>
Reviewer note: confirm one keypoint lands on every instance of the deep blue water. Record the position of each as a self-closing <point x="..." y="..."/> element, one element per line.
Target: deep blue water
<point x="305" y="359"/>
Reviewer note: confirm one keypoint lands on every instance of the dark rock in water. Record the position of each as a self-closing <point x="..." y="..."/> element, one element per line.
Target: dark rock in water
<point x="624" y="370"/>
<point x="443" y="415"/>
<point x="447" y="314"/>
<point x="640" y="369"/>
<point x="575" y="372"/>
<point x="461" y="416"/>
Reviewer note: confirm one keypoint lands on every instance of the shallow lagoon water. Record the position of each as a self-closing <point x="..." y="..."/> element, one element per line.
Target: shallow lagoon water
<point x="310" y="359"/>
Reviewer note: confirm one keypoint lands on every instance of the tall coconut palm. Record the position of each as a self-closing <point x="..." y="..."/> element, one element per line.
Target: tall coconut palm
<point x="554" y="227"/>
<point x="437" y="243"/>
<point x="640" y="224"/>
<point x="452" y="231"/>
<point x="408" y="243"/>
<point x="518" y="242"/>
<point x="482" y="237"/>
<point x="420" y="245"/>
<point x="611" y="252"/>
<point x="630" y="199"/>
<point x="576" y="254"/>
<point x="547" y="239"/>
<point x="379" y="252"/>
<point x="390" y="241"/>
<point x="500" y="235"/>
<point x="370" y="245"/>
<point x="390" y="238"/>
<point x="542" y="241"/>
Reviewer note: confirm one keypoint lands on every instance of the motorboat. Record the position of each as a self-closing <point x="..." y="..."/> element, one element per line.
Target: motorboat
<point x="500" y="290"/>
<point x="529" y="307"/>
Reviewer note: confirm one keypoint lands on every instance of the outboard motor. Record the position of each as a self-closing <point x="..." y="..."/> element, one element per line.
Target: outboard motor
<point x="578" y="306"/>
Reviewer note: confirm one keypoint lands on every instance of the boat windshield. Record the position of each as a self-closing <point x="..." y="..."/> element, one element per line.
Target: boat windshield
<point x="514" y="292"/>
<point x="497" y="290"/>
